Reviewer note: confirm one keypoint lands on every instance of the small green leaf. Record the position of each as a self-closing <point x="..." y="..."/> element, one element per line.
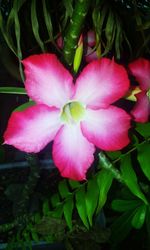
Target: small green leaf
<point x="130" y="179"/>
<point x="74" y="184"/>
<point x="48" y="20"/>
<point x="121" y="227"/>
<point x="24" y="106"/>
<point x="125" y="205"/>
<point x="104" y="180"/>
<point x="81" y="206"/>
<point x="78" y="55"/>
<point x="91" y="199"/>
<point x="143" y="129"/>
<point x="55" y="200"/>
<point x="113" y="155"/>
<point x="35" y="236"/>
<point x="13" y="90"/>
<point x="139" y="217"/>
<point x="68" y="209"/>
<point x="63" y="189"/>
<point x="35" y="25"/>
<point x="46" y="207"/>
<point x="144" y="158"/>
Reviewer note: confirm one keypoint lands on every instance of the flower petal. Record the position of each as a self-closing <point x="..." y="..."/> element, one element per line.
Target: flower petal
<point x="72" y="153"/>
<point x="140" y="68"/>
<point x="101" y="83"/>
<point x="91" y="38"/>
<point x="32" y="129"/>
<point x="47" y="81"/>
<point x="91" y="55"/>
<point x="107" y="128"/>
<point x="141" y="110"/>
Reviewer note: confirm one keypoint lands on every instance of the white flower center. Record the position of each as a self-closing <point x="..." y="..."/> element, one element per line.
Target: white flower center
<point x="73" y="112"/>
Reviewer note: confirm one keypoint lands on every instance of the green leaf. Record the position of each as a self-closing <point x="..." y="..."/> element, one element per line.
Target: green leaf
<point x="121" y="227"/>
<point x="48" y="20"/>
<point x="130" y="179"/>
<point x="13" y="90"/>
<point x="68" y="6"/>
<point x="139" y="217"/>
<point x="55" y="200"/>
<point x="74" y="184"/>
<point x="144" y="158"/>
<point x="147" y="219"/>
<point x="68" y="209"/>
<point x="125" y="205"/>
<point x="143" y="129"/>
<point x="7" y="36"/>
<point x="81" y="206"/>
<point x="104" y="180"/>
<point x="35" y="25"/>
<point x="113" y="155"/>
<point x="91" y="198"/>
<point x="46" y="208"/>
<point x="63" y="189"/>
<point x="24" y="106"/>
<point x="16" y="7"/>
<point x="78" y="55"/>
<point x="35" y="236"/>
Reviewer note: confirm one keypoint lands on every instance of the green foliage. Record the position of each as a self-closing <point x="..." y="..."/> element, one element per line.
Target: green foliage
<point x="144" y="159"/>
<point x="143" y="129"/>
<point x="13" y="90"/>
<point x="130" y="178"/>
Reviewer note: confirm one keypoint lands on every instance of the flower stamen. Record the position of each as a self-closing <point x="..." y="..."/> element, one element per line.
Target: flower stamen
<point x="73" y="112"/>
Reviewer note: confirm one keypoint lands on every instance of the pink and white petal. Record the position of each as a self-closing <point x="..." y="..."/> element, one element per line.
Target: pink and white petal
<point x="107" y="128"/>
<point x="90" y="55"/>
<point x="72" y="152"/>
<point x="141" y="110"/>
<point x="47" y="81"/>
<point x="101" y="83"/>
<point x="91" y="39"/>
<point x="140" y="68"/>
<point x="32" y="129"/>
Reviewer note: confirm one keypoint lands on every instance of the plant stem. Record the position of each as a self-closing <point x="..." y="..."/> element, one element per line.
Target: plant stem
<point x="28" y="189"/>
<point x="74" y="29"/>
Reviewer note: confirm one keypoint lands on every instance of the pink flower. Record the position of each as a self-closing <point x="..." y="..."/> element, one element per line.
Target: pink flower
<point x="140" y="68"/>
<point x="76" y="117"/>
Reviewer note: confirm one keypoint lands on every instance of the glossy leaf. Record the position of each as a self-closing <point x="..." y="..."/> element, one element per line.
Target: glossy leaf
<point x="113" y="154"/>
<point x="46" y="208"/>
<point x="121" y="227"/>
<point x="55" y="200"/>
<point x="24" y="106"/>
<point x="125" y="205"/>
<point x="16" y="8"/>
<point x="91" y="200"/>
<point x="74" y="184"/>
<point x="63" y="189"/>
<point x="35" y="25"/>
<point x="104" y="180"/>
<point x="13" y="90"/>
<point x="139" y="217"/>
<point x="48" y="20"/>
<point x="81" y="206"/>
<point x="144" y="158"/>
<point x="7" y="36"/>
<point x="68" y="209"/>
<point x="130" y="179"/>
<point x="143" y="129"/>
<point x="78" y="55"/>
